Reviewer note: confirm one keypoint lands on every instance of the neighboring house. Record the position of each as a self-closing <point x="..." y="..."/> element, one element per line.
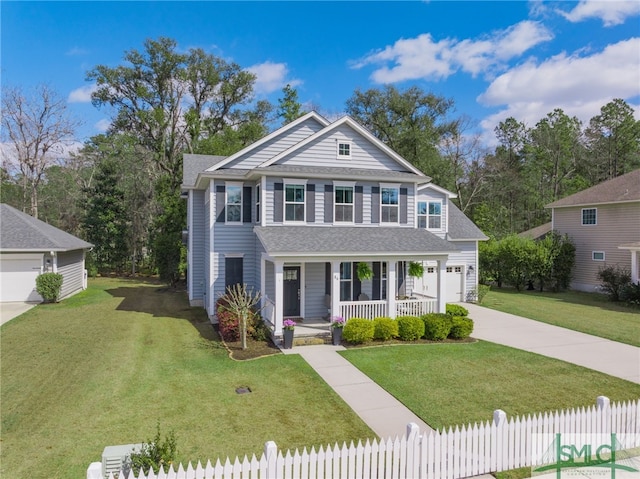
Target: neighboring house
<point x="537" y="233"/>
<point x="30" y="247"/>
<point x="294" y="213"/>
<point x="604" y="223"/>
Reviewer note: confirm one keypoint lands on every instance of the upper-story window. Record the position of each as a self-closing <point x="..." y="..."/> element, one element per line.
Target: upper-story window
<point x="344" y="149"/>
<point x="294" y="202"/>
<point x="430" y="215"/>
<point x="389" y="206"/>
<point x="343" y="203"/>
<point x="589" y="216"/>
<point x="234" y="203"/>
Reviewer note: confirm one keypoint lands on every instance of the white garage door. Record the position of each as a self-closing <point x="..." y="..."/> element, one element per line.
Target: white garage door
<point x="428" y="285"/>
<point x="18" y="274"/>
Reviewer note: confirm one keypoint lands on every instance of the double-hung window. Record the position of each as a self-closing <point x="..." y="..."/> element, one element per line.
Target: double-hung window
<point x="343" y="201"/>
<point x="589" y="216"/>
<point x="234" y="203"/>
<point x="294" y="202"/>
<point x="389" y="204"/>
<point x="344" y="150"/>
<point x="429" y="215"/>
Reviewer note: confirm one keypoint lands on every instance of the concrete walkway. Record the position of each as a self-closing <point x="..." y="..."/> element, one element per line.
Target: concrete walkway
<point x="610" y="357"/>
<point x="11" y="310"/>
<point x="382" y="412"/>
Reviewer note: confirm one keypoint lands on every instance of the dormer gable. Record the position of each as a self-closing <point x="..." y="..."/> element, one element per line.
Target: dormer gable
<point x="275" y="142"/>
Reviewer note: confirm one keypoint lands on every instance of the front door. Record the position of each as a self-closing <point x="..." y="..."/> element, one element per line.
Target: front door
<point x="291" y="291"/>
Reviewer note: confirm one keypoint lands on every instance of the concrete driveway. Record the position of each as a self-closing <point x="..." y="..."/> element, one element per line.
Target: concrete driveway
<point x="8" y="311"/>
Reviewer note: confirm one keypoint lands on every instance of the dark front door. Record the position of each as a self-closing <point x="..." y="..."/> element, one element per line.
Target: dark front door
<point x="291" y="291"/>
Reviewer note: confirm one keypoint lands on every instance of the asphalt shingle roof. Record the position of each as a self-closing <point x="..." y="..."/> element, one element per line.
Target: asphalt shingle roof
<point x="21" y="232"/>
<point x="194" y="164"/>
<point x="537" y="232"/>
<point x="350" y="240"/>
<point x="620" y="189"/>
<point x="461" y="227"/>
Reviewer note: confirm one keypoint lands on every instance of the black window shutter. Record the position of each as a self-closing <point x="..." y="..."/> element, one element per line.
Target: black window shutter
<point x="376" y="280"/>
<point x="246" y="204"/>
<point x="327" y="278"/>
<point x="358" y="205"/>
<point x="220" y="203"/>
<point x="403" y="206"/>
<point x="278" y="202"/>
<point x="375" y="204"/>
<point x="311" y="203"/>
<point x="328" y="203"/>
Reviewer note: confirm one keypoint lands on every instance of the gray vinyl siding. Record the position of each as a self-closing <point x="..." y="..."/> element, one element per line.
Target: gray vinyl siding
<point x="268" y="150"/>
<point x="314" y="290"/>
<point x="322" y="152"/>
<point x="617" y="224"/>
<point x="208" y="206"/>
<point x="71" y="267"/>
<point x="234" y="240"/>
<point x="197" y="237"/>
<point x="431" y="195"/>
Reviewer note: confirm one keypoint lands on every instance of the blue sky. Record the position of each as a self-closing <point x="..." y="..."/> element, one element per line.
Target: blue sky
<point x="494" y="59"/>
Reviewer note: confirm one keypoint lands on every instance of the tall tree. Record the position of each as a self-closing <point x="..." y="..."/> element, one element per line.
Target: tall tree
<point x="613" y="139"/>
<point x="289" y="108"/>
<point x="170" y="101"/>
<point x="411" y="122"/>
<point x="37" y="126"/>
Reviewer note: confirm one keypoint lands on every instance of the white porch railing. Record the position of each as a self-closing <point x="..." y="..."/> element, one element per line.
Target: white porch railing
<point x="416" y="307"/>
<point x="363" y="309"/>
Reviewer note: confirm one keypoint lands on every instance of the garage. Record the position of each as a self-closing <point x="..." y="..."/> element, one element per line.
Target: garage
<point x="428" y="284"/>
<point x="18" y="273"/>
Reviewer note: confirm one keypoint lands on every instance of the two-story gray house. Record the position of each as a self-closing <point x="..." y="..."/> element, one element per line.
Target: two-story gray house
<point x="293" y="214"/>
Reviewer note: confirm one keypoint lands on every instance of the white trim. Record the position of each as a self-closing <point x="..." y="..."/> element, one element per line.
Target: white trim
<point x="292" y="182"/>
<point x="437" y="188"/>
<point x="360" y="129"/>
<point x="389" y="186"/>
<point x="263" y="201"/>
<point x="209" y="292"/>
<point x="190" y="243"/>
<point x="345" y="184"/>
<point x="593" y="256"/>
<point x="350" y="148"/>
<point x="322" y="121"/>
<point x="233" y="255"/>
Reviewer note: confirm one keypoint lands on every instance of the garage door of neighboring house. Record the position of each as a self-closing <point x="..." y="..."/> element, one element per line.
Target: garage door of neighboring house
<point x="428" y="284"/>
<point x="18" y="273"/>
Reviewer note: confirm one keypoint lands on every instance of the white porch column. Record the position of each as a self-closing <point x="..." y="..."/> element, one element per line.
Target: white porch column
<point x="392" y="288"/>
<point x="279" y="299"/>
<point x="263" y="281"/>
<point x="335" y="288"/>
<point x="634" y="266"/>
<point x="442" y="286"/>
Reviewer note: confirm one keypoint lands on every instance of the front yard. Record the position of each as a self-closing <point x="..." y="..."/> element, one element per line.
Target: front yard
<point x="104" y="366"/>
<point x="589" y="313"/>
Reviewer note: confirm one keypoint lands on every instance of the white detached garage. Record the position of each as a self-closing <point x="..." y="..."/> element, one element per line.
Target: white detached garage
<point x="30" y="247"/>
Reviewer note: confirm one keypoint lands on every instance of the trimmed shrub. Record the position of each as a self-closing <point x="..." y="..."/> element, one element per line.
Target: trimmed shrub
<point x="358" y="331"/>
<point x="461" y="327"/>
<point x="385" y="328"/>
<point x="48" y="285"/>
<point x="631" y="294"/>
<point x="614" y="281"/>
<point x="228" y="322"/>
<point x="410" y="328"/>
<point x="436" y="326"/>
<point x="457" y="310"/>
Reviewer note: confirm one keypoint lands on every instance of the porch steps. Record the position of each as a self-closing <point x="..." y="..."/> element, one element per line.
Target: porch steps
<point x="312" y="340"/>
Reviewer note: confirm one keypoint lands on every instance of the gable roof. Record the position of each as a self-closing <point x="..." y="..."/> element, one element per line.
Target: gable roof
<point x="23" y="233"/>
<point x="462" y="228"/>
<point x="538" y="232"/>
<point x="192" y="165"/>
<point x="311" y="115"/>
<point x="350" y="241"/>
<point x="346" y="120"/>
<point x="622" y="189"/>
<point x="439" y="189"/>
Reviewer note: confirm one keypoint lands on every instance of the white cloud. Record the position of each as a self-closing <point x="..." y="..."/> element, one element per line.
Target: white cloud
<point x="271" y="77"/>
<point x="82" y="94"/>
<point x="422" y="57"/>
<point x="580" y="85"/>
<point x="611" y="12"/>
<point x="103" y="125"/>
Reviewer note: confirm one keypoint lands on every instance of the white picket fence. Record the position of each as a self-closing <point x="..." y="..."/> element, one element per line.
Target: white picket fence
<point x="449" y="454"/>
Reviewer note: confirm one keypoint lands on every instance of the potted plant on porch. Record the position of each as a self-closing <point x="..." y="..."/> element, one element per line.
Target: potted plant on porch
<point x="337" y="323"/>
<point x="288" y="325"/>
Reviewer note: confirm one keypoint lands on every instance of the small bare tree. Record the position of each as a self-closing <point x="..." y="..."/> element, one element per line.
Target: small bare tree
<point x="37" y="128"/>
<point x="241" y="302"/>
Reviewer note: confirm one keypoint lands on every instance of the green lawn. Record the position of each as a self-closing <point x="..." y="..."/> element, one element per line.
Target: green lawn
<point x="102" y="367"/>
<point x="589" y="313"/>
<point x="448" y="384"/>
